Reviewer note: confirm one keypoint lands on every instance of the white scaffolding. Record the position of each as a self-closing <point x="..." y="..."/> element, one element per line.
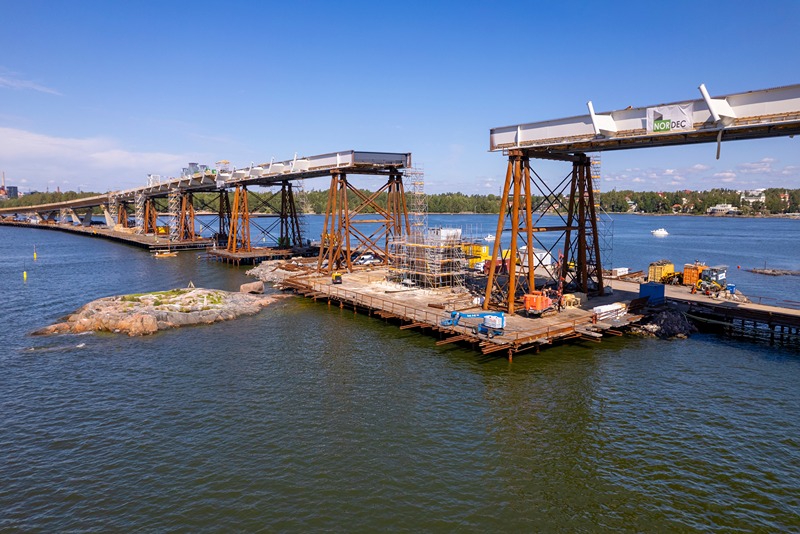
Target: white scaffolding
<point x="605" y="224"/>
<point x="429" y="258"/>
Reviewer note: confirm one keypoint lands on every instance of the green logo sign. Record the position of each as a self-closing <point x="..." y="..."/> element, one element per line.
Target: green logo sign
<point x="662" y="125"/>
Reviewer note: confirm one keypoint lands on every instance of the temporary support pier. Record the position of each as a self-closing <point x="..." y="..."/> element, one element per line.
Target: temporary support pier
<point x="423" y="309"/>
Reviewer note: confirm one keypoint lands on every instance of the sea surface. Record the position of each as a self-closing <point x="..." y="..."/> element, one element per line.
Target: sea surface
<point x="309" y="418"/>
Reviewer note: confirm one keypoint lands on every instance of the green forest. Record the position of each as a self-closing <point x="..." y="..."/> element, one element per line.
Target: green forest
<point x="776" y="201"/>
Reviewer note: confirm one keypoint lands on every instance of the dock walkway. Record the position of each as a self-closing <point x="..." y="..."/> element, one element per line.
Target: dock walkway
<point x="773" y="324"/>
<point x="149" y="241"/>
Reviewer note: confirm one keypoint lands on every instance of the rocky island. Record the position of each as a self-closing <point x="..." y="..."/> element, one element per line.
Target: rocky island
<point x="146" y="313"/>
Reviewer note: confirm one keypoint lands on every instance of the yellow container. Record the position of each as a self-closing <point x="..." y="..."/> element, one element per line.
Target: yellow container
<point x="475" y="253"/>
<point x="659" y="270"/>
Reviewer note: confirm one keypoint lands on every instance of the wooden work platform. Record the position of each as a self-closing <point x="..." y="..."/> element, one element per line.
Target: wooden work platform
<point x="149" y="241"/>
<point x="736" y="318"/>
<point x="250" y="257"/>
<point x="427" y="308"/>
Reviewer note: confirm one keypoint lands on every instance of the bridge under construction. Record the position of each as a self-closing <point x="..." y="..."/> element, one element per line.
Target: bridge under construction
<point x="232" y="210"/>
<point x="514" y="274"/>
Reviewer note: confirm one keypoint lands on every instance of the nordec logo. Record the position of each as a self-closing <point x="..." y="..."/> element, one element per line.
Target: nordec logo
<point x="663" y="125"/>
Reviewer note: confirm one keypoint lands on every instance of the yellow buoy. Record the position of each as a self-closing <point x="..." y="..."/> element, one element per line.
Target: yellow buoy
<point x="24" y="276"/>
<point x="34" y="252"/>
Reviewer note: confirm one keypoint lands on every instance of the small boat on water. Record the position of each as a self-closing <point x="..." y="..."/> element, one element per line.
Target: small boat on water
<point x="659" y="233"/>
<point x="489" y="237"/>
<point x="168" y="253"/>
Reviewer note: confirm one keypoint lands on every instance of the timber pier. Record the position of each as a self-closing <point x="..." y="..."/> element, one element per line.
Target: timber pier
<point x="423" y="309"/>
<point x="150" y="242"/>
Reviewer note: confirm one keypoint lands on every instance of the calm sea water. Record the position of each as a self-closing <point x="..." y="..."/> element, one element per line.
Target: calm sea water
<point x="305" y="418"/>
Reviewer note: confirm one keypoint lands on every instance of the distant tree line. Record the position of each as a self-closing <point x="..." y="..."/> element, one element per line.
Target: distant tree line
<point x="697" y="202"/>
<point x="776" y="201"/>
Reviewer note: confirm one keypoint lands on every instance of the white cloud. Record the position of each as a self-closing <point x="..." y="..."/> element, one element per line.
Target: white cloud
<point x="10" y="80"/>
<point x="699" y="167"/>
<point x="638" y="180"/>
<point x="30" y="157"/>
<point x="727" y="174"/>
<point x="762" y="166"/>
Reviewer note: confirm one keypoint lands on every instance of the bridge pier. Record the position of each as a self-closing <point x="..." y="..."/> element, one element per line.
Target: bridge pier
<point x="239" y="234"/>
<point x="579" y="238"/>
<point x="341" y="236"/>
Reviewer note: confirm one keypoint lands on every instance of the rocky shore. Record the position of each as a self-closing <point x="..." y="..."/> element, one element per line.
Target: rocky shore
<point x="146" y="313"/>
<point x="665" y="324"/>
<point x="275" y="271"/>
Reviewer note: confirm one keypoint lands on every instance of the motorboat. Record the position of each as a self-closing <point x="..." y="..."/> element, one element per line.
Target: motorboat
<point x="659" y="232"/>
<point x="489" y="237"/>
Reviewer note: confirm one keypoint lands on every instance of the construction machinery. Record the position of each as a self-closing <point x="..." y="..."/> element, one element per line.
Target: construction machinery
<point x="713" y="279"/>
<point x="493" y="323"/>
<point x="674" y="279"/>
<point x="540" y="304"/>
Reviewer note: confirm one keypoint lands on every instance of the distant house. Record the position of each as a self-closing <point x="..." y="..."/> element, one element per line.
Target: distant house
<point x="723" y="209"/>
<point x="753" y="196"/>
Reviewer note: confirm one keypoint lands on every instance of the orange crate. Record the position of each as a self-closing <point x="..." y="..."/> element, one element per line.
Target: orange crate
<point x="691" y="273"/>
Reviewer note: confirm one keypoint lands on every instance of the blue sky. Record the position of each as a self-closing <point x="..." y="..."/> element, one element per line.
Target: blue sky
<point x="96" y="94"/>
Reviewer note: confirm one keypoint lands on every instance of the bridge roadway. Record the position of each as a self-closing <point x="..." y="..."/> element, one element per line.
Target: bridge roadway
<point x="750" y="115"/>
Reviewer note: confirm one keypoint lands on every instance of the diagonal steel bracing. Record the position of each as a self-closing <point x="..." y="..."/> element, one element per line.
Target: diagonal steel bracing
<point x="512" y="273"/>
<point x="343" y="239"/>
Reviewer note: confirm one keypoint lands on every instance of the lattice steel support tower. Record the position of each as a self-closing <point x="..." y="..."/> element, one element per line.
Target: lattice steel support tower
<point x="341" y="237"/>
<point x="239" y="234"/>
<point x="186" y="227"/>
<point x="291" y="234"/>
<point x="150" y="216"/>
<point x="224" y="217"/>
<point x="513" y="274"/>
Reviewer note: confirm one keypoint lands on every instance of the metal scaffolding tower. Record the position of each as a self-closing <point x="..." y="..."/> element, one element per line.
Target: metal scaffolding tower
<point x="605" y="224"/>
<point x="139" y="213"/>
<point x="173" y="212"/>
<point x="429" y="258"/>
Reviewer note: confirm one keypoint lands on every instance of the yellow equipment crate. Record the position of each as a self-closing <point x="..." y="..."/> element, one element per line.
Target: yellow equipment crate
<point x="659" y="269"/>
